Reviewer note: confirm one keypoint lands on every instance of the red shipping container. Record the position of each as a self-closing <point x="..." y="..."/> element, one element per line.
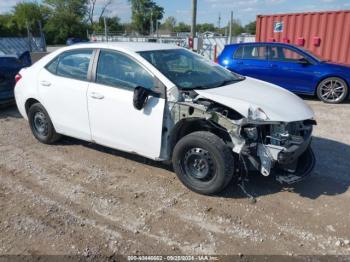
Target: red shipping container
<point x="326" y="34"/>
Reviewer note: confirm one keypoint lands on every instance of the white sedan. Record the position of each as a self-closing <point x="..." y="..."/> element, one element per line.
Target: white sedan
<point x="167" y="103"/>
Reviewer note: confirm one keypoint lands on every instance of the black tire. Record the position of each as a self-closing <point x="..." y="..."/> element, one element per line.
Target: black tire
<point x="216" y="155"/>
<point x="43" y="131"/>
<point x="326" y="85"/>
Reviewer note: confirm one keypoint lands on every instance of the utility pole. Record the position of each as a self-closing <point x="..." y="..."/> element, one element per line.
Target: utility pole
<point x="230" y="29"/>
<point x="151" y="24"/>
<point x="29" y="37"/>
<point x="106" y="30"/>
<point x="219" y="21"/>
<point x="194" y="18"/>
<point x="42" y="37"/>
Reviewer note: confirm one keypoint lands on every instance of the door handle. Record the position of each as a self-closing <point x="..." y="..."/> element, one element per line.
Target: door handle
<point x="96" y="95"/>
<point x="45" y="83"/>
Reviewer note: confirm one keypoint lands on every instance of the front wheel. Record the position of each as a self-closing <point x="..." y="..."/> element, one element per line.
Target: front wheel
<point x="203" y="162"/>
<point x="332" y="90"/>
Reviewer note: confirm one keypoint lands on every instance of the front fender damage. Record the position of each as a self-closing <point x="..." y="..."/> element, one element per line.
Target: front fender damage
<point x="184" y="110"/>
<point x="276" y="150"/>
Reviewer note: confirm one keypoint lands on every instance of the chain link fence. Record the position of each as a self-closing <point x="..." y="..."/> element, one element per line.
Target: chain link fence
<point x="210" y="46"/>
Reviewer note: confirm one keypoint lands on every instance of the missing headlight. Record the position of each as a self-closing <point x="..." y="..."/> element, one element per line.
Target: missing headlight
<point x="251" y="133"/>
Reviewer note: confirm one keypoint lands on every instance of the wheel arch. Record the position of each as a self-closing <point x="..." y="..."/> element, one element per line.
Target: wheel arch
<point x="329" y="76"/>
<point x="190" y="125"/>
<point x="29" y="102"/>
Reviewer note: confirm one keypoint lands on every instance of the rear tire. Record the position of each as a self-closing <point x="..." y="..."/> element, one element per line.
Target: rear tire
<point x="332" y="90"/>
<point x="41" y="125"/>
<point x="203" y="162"/>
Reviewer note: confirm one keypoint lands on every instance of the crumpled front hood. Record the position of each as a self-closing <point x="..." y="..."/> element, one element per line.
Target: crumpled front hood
<point x="278" y="103"/>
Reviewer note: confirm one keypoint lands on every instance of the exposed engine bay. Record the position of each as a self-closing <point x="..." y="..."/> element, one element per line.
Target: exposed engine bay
<point x="266" y="146"/>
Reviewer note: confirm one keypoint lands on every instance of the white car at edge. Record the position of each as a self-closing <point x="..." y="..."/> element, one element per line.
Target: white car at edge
<point x="167" y="103"/>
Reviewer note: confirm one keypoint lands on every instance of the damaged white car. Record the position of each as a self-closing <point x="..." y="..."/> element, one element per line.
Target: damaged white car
<point x="167" y="103"/>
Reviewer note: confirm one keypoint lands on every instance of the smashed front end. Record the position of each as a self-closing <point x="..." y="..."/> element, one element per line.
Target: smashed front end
<point x="273" y="148"/>
<point x="280" y="149"/>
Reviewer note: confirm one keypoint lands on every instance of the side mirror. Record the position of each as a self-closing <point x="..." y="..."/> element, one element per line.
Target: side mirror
<point x="303" y="61"/>
<point x="141" y="95"/>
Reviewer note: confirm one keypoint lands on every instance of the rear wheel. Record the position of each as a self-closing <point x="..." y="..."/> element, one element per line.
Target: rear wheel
<point x="332" y="90"/>
<point x="41" y="125"/>
<point x="203" y="162"/>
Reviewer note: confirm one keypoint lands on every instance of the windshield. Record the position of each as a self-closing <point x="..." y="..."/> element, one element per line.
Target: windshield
<point x="188" y="70"/>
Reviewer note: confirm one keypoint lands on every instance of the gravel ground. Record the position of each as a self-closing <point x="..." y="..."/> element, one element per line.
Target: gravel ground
<point x="80" y="198"/>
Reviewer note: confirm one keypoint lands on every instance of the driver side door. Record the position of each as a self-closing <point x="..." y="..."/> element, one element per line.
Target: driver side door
<point x="114" y="122"/>
<point x="288" y="70"/>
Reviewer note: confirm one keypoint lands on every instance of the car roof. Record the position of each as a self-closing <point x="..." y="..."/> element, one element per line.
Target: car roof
<point x="262" y="43"/>
<point x="130" y="46"/>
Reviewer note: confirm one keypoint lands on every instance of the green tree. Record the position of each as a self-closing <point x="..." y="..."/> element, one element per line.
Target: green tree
<point x="29" y="14"/>
<point x="8" y="26"/>
<point x="66" y="19"/>
<point x="206" y="27"/>
<point x="182" y="27"/>
<point x="169" y="23"/>
<point x="237" y="28"/>
<point x="142" y="11"/>
<point x="250" y="28"/>
<point x="113" y="25"/>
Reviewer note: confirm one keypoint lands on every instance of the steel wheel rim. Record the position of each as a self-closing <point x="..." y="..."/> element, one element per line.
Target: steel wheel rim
<point x="332" y="90"/>
<point x="40" y="123"/>
<point x="198" y="164"/>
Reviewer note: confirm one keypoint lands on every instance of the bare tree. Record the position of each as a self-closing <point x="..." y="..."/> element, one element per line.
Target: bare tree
<point x="92" y="4"/>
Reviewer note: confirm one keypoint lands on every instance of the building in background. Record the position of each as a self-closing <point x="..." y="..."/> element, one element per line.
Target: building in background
<point x="326" y="34"/>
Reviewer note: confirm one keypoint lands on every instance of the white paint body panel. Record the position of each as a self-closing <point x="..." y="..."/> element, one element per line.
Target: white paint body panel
<point x="116" y="123"/>
<point x="278" y="103"/>
<point x="65" y="100"/>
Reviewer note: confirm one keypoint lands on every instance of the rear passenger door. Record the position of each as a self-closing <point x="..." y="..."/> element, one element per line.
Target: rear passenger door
<point x="114" y="121"/>
<point x="251" y="60"/>
<point x="63" y="86"/>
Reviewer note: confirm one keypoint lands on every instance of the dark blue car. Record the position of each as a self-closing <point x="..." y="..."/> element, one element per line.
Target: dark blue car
<point x="10" y="65"/>
<point x="290" y="67"/>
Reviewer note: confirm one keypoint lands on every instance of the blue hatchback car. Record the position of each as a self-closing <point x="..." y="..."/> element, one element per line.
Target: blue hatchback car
<point x="290" y="67"/>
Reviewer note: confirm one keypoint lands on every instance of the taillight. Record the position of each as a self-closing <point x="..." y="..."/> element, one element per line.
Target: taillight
<point x="18" y="77"/>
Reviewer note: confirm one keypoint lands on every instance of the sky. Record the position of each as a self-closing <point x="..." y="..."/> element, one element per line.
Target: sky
<point x="209" y="10"/>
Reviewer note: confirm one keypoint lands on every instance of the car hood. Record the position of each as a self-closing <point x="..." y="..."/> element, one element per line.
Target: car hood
<point x="339" y="67"/>
<point x="277" y="103"/>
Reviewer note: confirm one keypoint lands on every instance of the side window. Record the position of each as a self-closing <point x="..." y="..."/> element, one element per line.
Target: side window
<point x="71" y="64"/>
<point x="239" y="53"/>
<point x="116" y="69"/>
<point x="254" y="52"/>
<point x="279" y="53"/>
<point x="52" y="66"/>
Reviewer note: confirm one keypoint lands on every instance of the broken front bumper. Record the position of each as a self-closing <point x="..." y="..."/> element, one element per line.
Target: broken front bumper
<point x="305" y="163"/>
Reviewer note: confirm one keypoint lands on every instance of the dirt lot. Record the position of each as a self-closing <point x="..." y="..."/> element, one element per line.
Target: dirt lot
<point x="80" y="198"/>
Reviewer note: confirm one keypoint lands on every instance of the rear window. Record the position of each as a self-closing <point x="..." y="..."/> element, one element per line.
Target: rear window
<point x="71" y="64"/>
<point x="239" y="53"/>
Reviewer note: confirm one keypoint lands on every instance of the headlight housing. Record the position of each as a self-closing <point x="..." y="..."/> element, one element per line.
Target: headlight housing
<point x="257" y="114"/>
